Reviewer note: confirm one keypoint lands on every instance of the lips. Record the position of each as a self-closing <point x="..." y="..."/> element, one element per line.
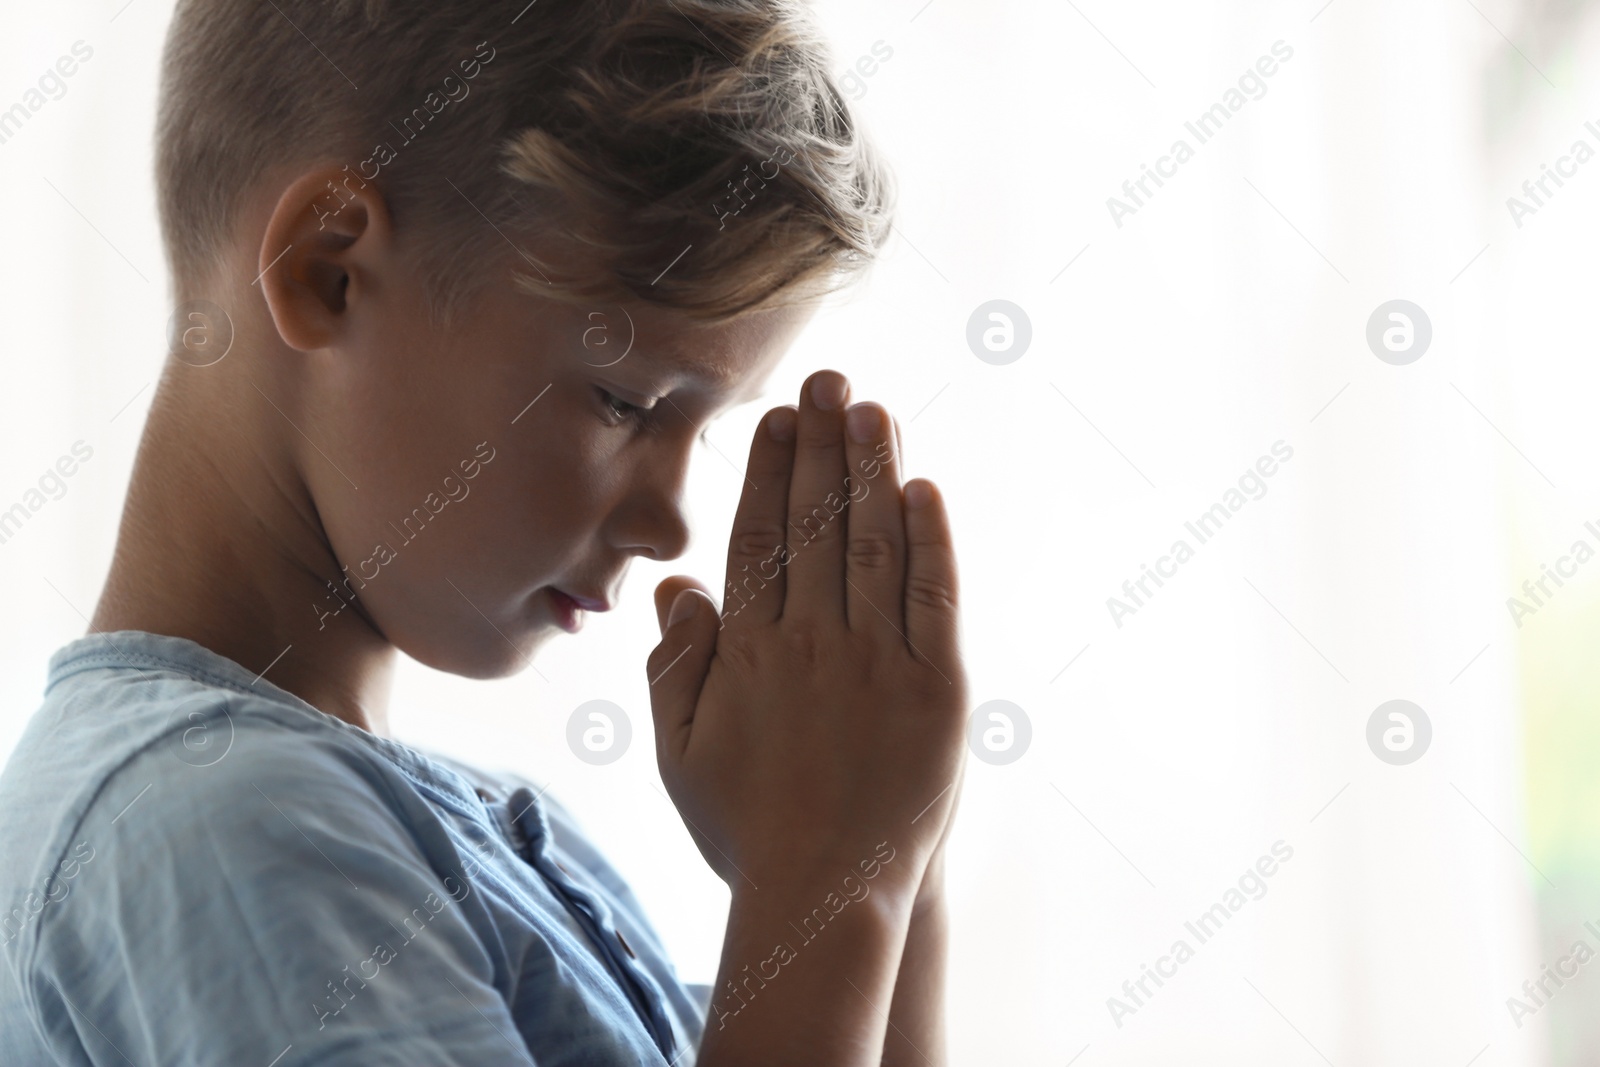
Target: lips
<point x="568" y="608"/>
<point x="567" y="612"/>
<point x="587" y="603"/>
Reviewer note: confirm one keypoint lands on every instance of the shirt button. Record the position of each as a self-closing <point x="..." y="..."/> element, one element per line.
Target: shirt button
<point x="626" y="947"/>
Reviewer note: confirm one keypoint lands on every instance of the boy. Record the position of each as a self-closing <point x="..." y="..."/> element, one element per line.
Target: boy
<point x="388" y="426"/>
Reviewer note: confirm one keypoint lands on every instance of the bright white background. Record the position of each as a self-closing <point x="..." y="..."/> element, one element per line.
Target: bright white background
<point x="1169" y="353"/>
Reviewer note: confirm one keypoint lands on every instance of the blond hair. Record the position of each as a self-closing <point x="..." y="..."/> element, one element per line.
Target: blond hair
<point x="693" y="154"/>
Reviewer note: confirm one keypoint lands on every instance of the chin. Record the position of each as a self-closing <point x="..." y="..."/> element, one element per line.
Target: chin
<point x="484" y="653"/>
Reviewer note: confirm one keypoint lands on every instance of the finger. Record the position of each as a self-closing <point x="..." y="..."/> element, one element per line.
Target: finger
<point x="677" y="670"/>
<point x="875" y="546"/>
<point x="931" y="591"/>
<point x="668" y="591"/>
<point x="754" y="589"/>
<point x="816" y="523"/>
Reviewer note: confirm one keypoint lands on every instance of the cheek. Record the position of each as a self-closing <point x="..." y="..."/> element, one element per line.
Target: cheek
<point x="568" y="473"/>
<point x="532" y="512"/>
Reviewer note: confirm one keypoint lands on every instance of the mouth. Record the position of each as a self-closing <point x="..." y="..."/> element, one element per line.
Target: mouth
<point x="568" y="608"/>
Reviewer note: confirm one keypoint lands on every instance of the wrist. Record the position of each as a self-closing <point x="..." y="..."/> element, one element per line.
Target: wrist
<point x="800" y="881"/>
<point x="930" y="894"/>
<point x="786" y="949"/>
<point x="801" y="904"/>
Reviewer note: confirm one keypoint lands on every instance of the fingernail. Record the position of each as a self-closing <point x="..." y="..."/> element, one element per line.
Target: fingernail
<point x="864" y="423"/>
<point x="684" y="605"/>
<point x="780" y="424"/>
<point x="918" y="495"/>
<point x="827" y="391"/>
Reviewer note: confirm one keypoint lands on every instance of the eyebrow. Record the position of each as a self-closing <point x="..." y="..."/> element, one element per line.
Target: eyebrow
<point x="713" y="377"/>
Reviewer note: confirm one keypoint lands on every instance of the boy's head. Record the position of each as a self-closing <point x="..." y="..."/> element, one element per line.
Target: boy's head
<point x="632" y="128"/>
<point x="459" y="243"/>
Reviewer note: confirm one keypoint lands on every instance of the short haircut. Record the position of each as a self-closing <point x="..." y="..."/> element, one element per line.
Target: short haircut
<point x="696" y="154"/>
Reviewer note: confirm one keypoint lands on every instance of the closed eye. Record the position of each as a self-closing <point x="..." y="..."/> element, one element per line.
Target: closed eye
<point x="624" y="411"/>
<point x="620" y="409"/>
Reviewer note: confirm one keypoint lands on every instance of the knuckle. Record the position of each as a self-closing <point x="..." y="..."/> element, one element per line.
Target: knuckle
<point x="757" y="541"/>
<point x="871" y="551"/>
<point x="925" y="591"/>
<point x="659" y="657"/>
<point x="803" y="643"/>
<point x="738" y="650"/>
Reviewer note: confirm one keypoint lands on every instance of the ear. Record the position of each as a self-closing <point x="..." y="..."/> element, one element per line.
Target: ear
<point x="326" y="242"/>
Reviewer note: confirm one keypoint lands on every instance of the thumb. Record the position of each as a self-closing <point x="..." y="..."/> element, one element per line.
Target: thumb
<point x="668" y="591"/>
<point x="677" y="666"/>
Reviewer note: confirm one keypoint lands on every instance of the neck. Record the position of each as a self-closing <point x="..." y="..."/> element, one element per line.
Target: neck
<point x="220" y="543"/>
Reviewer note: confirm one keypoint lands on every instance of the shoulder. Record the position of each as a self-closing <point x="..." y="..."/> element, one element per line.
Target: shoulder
<point x="243" y="794"/>
<point x="213" y="759"/>
<point x="206" y="865"/>
<point x="221" y="746"/>
<point x="193" y="790"/>
<point x="107" y="747"/>
<point x="243" y="874"/>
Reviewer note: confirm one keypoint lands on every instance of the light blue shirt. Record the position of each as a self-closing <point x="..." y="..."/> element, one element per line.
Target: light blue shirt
<point x="198" y="868"/>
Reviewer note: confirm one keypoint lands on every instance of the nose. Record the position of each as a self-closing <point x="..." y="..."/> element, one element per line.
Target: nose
<point x="650" y="520"/>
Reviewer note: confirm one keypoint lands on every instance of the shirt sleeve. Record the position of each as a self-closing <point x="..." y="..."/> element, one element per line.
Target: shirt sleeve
<point x="285" y="905"/>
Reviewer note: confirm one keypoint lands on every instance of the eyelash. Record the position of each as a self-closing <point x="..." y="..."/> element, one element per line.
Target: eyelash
<point x="634" y="413"/>
<point x="630" y="411"/>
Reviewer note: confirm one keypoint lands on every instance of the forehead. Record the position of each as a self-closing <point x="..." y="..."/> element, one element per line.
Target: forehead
<point x="732" y="357"/>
